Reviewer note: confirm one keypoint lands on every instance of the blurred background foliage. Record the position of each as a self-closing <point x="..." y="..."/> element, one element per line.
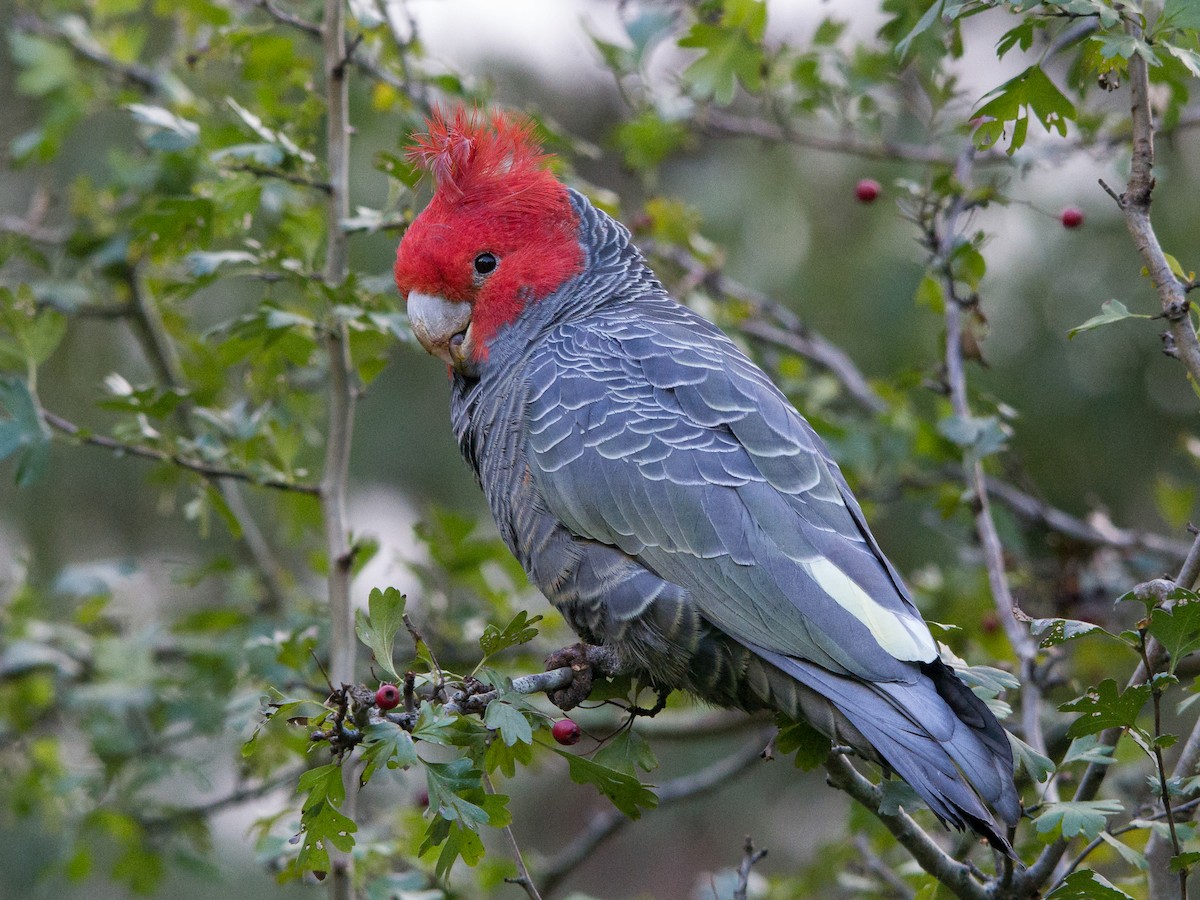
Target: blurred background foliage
<point x="162" y="228"/>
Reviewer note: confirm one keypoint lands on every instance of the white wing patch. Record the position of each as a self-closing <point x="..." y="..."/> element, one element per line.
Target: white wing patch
<point x="900" y="636"/>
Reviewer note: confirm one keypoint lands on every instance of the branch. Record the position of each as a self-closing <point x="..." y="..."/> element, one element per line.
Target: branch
<point x="523" y="879"/>
<point x="369" y="66"/>
<point x="192" y="465"/>
<point x="943" y="244"/>
<point x="750" y="858"/>
<point x="608" y="822"/>
<point x="956" y="876"/>
<point x="794" y="336"/>
<point x="1135" y="204"/>
<point x="1033" y="511"/>
<point x="135" y="74"/>
<point x="264" y="172"/>
<point x="163" y="356"/>
<point x="722" y="124"/>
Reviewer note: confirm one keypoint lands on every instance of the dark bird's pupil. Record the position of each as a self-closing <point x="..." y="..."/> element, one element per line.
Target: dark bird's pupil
<point x="484" y="263"/>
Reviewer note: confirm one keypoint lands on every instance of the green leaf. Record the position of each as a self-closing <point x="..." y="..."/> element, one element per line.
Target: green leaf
<point x="923" y="24"/>
<point x="200" y="263"/>
<point x="930" y="294"/>
<point x="1106" y="706"/>
<point x="1184" y="860"/>
<point x="1088" y="749"/>
<point x="377" y="628"/>
<point x="387" y="744"/>
<point x="627" y="794"/>
<point x="895" y="795"/>
<point x="1077" y="817"/>
<point x="1084" y="884"/>
<point x="520" y="630"/>
<point x="1029" y="95"/>
<point x="979" y="435"/>
<point x="162" y="129"/>
<point x="322" y="825"/>
<point x="1052" y="632"/>
<point x="1036" y="765"/>
<point x="732" y="51"/>
<point x="628" y="752"/>
<point x="1127" y="853"/>
<point x="810" y="746"/>
<point x="456" y="794"/>
<point x="23" y="433"/>
<point x="1110" y="311"/>
<point x="508" y="721"/>
<point x="1177" y="628"/>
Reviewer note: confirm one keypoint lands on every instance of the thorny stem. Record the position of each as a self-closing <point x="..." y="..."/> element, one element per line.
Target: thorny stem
<point x="523" y="878"/>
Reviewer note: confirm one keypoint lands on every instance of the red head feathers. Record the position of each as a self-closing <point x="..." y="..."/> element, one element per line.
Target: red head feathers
<point x="494" y="198"/>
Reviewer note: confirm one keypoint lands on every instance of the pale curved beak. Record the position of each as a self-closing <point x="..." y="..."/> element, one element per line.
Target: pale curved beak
<point x="443" y="327"/>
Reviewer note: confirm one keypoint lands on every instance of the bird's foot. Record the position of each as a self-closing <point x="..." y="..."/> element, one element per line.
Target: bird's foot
<point x="586" y="661"/>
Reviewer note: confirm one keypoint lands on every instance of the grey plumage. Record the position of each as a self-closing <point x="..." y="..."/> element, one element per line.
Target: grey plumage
<point x="670" y="501"/>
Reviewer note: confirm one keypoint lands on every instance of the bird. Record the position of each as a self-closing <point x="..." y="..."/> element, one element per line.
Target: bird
<point x="659" y="489"/>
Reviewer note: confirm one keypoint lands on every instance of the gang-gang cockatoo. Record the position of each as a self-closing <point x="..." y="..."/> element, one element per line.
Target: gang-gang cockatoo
<point x="660" y="490"/>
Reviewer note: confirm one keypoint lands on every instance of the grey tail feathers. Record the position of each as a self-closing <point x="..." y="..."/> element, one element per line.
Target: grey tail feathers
<point x="935" y="733"/>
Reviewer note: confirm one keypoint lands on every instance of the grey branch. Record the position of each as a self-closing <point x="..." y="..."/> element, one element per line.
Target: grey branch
<point x="608" y="822"/>
<point x="750" y="858"/>
<point x="956" y="876"/>
<point x="942" y="239"/>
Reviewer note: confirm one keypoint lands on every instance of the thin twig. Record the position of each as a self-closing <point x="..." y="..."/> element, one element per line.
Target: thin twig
<point x="942" y="240"/>
<point x="264" y="172"/>
<point x="716" y="122"/>
<point x="608" y="822"/>
<point x="176" y="459"/>
<point x="136" y="74"/>
<point x="750" y="858"/>
<point x="523" y="878"/>
<point x="881" y="870"/>
<point x="163" y="356"/>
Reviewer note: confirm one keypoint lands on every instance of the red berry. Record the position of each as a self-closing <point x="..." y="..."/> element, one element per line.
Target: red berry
<point x="387" y="697"/>
<point x="867" y="190"/>
<point x="1072" y="217"/>
<point x="989" y="623"/>
<point x="566" y="732"/>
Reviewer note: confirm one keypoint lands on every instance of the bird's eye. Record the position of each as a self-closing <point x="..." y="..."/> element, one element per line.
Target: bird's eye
<point x="485" y="263"/>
